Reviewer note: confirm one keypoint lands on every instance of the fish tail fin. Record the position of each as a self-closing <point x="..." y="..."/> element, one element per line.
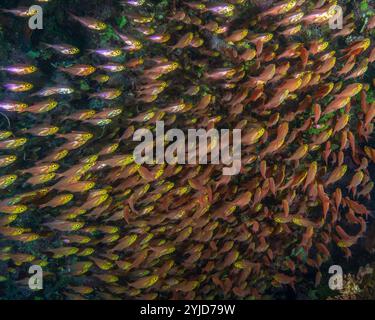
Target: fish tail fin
<point x="171" y="48"/>
<point x="354" y="193"/>
<point x="72" y="15"/>
<point x="347" y="56"/>
<point x="45" y="44"/>
<point x="261" y="15"/>
<point x="345" y="49"/>
<point x="293" y="286"/>
<point x="59" y="135"/>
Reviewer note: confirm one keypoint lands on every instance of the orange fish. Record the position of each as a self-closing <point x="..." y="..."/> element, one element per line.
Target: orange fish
<point x="184" y="41"/>
<point x="336" y="104"/>
<point x="81" y="70"/>
<point x="336" y="175"/>
<point x="90" y="23"/>
<point x="279" y="8"/>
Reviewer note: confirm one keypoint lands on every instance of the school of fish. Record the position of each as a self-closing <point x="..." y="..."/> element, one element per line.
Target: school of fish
<point x="71" y="191"/>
